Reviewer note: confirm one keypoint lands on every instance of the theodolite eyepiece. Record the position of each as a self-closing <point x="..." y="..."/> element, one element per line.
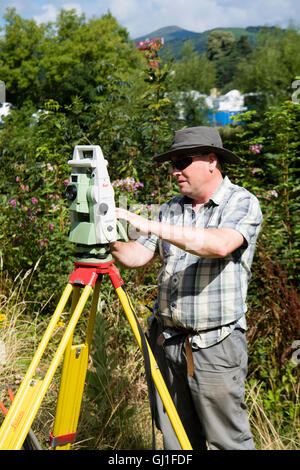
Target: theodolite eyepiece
<point x="71" y="192"/>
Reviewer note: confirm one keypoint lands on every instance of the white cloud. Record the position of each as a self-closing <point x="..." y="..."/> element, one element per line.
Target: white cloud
<point x="72" y="6"/>
<point x="144" y="16"/>
<point x="49" y="13"/>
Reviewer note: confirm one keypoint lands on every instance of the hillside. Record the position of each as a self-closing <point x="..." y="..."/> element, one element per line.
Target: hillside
<point x="175" y="36"/>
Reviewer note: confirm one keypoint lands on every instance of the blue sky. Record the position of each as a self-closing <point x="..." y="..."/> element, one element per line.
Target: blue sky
<point x="144" y="16"/>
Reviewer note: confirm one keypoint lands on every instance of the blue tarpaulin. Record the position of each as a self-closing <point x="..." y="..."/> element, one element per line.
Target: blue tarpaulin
<point x="221" y="118"/>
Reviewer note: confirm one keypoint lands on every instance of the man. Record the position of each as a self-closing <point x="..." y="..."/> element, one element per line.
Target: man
<point x="206" y="239"/>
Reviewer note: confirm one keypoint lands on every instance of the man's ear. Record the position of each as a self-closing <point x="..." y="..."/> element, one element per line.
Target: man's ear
<point x="213" y="161"/>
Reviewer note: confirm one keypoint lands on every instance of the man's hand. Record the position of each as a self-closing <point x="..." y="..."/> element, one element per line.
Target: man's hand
<point x="139" y="223"/>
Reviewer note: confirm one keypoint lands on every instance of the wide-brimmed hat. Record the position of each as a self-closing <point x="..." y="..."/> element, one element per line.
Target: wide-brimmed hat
<point x="198" y="141"/>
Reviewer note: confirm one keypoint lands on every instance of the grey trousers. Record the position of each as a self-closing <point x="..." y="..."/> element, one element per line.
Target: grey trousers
<point x="210" y="404"/>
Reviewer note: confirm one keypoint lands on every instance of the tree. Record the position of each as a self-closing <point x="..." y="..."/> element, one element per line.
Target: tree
<point x="219" y="44"/>
<point x="271" y="67"/>
<point x="225" y="53"/>
<point x="75" y="52"/>
<point x="62" y="59"/>
<point x="20" y="55"/>
<point x="243" y="46"/>
<point x="193" y="72"/>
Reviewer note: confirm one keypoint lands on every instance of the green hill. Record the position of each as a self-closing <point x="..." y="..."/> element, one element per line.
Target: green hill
<point x="170" y="33"/>
<point x="174" y="37"/>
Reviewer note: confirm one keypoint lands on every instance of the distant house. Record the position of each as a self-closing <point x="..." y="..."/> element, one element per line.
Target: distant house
<point x="222" y="108"/>
<point x="219" y="110"/>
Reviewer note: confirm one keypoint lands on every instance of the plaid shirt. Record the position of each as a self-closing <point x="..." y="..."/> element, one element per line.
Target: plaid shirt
<point x="206" y="294"/>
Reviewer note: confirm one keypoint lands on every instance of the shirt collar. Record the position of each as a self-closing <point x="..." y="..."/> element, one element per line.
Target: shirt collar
<point x="219" y="195"/>
<point x="216" y="198"/>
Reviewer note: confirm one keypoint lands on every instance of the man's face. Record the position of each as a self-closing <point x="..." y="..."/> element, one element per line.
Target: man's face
<point x="194" y="177"/>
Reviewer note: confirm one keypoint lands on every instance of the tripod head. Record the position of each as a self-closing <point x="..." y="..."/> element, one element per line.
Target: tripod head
<point x="91" y="205"/>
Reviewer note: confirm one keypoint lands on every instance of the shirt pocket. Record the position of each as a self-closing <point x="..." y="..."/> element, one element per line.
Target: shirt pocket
<point x="172" y="258"/>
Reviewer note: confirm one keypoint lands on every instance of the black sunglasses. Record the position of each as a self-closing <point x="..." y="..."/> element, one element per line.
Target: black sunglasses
<point x="182" y="163"/>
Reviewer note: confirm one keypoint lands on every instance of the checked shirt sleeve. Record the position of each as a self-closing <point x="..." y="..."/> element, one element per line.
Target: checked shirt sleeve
<point x="243" y="213"/>
<point x="149" y="241"/>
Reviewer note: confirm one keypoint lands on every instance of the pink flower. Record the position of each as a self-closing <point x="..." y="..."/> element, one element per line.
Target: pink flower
<point x="43" y="242"/>
<point x="51" y="226"/>
<point x="13" y="202"/>
<point x="153" y="64"/>
<point x="34" y="200"/>
<point x="255" y="149"/>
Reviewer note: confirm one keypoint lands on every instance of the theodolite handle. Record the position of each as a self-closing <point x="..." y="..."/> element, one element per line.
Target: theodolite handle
<point x="78" y="154"/>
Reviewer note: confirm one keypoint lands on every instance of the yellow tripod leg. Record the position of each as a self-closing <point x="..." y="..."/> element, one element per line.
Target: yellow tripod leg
<point x="24" y="408"/>
<point x="72" y="382"/>
<point x="70" y="396"/>
<point x="156" y="374"/>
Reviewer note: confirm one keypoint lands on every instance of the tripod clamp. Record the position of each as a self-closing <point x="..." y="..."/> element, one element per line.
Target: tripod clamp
<point x="82" y="276"/>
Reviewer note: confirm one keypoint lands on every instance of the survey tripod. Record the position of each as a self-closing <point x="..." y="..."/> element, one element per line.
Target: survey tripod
<point x="91" y="208"/>
<point x="84" y="279"/>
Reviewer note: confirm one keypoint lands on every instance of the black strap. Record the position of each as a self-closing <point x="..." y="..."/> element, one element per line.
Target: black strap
<point x="150" y="383"/>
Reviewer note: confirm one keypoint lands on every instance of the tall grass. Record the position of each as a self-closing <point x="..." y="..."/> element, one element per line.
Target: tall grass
<point x="270" y="434"/>
<point x="18" y="332"/>
<point x="115" y="411"/>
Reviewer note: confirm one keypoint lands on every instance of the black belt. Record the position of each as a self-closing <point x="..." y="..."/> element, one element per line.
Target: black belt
<point x="187" y="332"/>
